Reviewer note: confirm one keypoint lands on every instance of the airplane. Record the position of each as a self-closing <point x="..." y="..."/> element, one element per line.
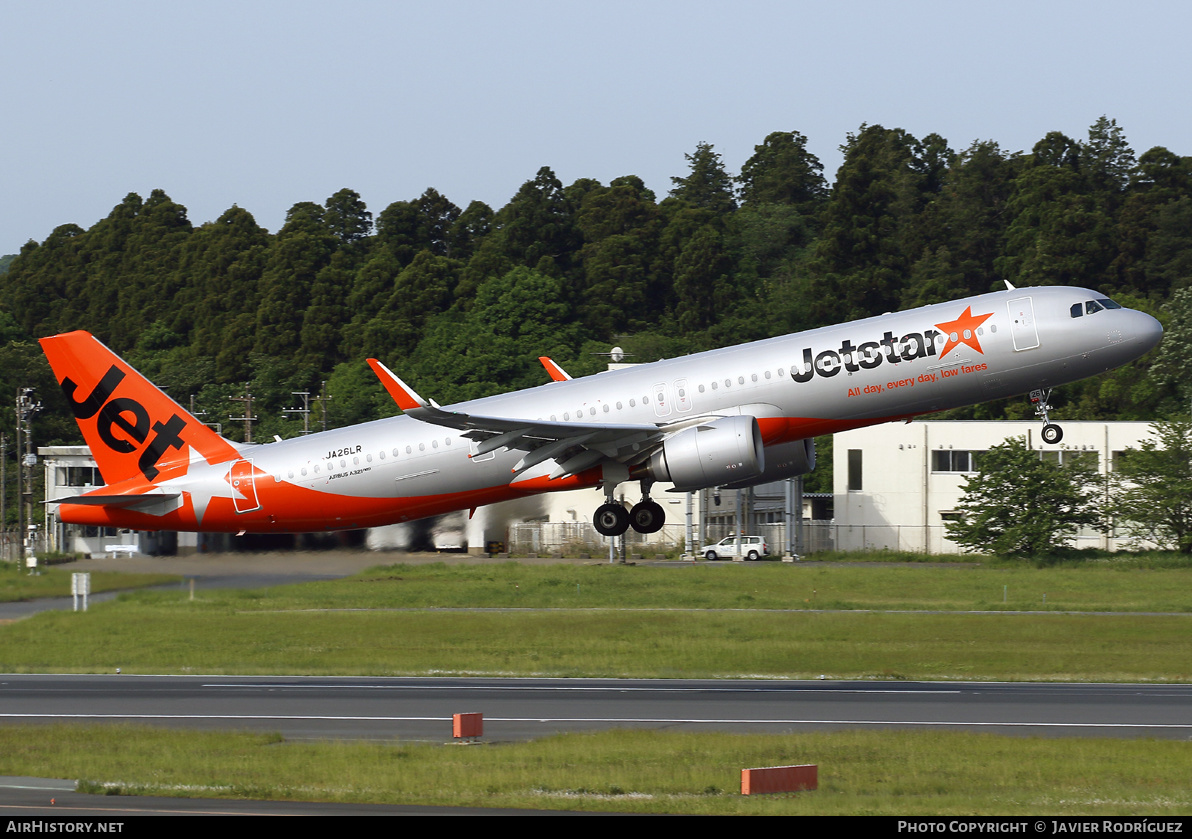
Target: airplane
<point x="732" y="417"/>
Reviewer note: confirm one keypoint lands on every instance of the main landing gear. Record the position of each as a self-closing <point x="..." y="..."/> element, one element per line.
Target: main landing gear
<point x="1052" y="433"/>
<point x="611" y="519"/>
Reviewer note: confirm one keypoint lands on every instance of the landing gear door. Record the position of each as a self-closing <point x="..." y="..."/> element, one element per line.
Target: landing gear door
<point x="244" y="487"/>
<point x="1022" y="323"/>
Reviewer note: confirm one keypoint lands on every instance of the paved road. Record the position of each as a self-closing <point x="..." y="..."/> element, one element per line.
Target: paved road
<point x="515" y="709"/>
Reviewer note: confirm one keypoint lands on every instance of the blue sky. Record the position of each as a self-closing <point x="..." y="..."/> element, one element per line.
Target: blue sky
<point x="265" y="104"/>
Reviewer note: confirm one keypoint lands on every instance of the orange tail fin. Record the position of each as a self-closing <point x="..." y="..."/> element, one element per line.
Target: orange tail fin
<point x="134" y="429"/>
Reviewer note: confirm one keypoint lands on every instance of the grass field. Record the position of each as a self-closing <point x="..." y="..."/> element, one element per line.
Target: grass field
<point x="860" y="772"/>
<point x="17" y="584"/>
<point x="758" y="620"/>
<point x="973" y="622"/>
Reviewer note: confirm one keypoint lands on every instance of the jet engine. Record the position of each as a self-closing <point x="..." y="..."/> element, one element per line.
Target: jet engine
<point x="719" y="453"/>
<point x="785" y="460"/>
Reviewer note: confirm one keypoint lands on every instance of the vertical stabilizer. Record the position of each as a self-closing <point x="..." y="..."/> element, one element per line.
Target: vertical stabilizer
<point x="134" y="429"/>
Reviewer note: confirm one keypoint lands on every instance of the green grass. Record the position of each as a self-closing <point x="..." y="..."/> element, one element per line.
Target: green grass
<point x="860" y="772"/>
<point x="769" y="586"/>
<point x="714" y="621"/>
<point x="16" y="583"/>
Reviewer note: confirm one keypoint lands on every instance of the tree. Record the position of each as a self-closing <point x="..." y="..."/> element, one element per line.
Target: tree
<point x="1153" y="487"/>
<point x="708" y="185"/>
<point x="782" y="171"/>
<point x="1021" y="505"/>
<point x="346" y="217"/>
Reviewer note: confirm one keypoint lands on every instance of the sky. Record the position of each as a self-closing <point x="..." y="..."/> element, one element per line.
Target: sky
<point x="264" y="104"/>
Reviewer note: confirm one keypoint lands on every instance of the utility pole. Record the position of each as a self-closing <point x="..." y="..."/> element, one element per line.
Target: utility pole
<point x="3" y="496"/>
<point x="26" y="409"/>
<point x="248" y="418"/>
<point x="304" y="410"/>
<point x="323" y="400"/>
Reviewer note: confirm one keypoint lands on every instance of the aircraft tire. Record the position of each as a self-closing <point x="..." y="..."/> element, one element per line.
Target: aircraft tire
<point x="1052" y="433"/>
<point x="647" y="517"/>
<point x="610" y="520"/>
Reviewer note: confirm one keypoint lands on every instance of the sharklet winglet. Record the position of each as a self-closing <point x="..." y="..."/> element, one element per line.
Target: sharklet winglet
<point x="557" y="373"/>
<point x="402" y="393"/>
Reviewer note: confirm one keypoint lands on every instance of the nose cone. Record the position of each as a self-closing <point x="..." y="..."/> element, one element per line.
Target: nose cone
<point x="1145" y="331"/>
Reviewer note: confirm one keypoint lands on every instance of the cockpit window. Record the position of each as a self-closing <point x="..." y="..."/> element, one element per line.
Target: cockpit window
<point x="1090" y="307"/>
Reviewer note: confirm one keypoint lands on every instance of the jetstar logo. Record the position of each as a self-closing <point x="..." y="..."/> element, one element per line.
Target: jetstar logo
<point x="123" y="423"/>
<point x="892" y="350"/>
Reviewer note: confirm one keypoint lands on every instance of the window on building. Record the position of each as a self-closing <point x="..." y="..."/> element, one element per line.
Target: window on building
<point x="1069" y="457"/>
<point x="854" y="470"/>
<point x="952" y="460"/>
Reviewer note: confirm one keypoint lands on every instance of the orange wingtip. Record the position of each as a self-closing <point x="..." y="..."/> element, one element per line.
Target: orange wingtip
<point x="402" y="394"/>
<point x="556" y="372"/>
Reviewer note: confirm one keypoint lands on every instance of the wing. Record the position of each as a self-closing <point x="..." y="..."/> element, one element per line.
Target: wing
<point x="574" y="446"/>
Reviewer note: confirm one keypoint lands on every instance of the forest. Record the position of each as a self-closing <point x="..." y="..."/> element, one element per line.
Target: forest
<point x="461" y="301"/>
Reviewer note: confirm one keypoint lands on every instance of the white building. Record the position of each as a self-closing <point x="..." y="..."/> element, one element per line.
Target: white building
<point x="896" y="484"/>
<point x="70" y="470"/>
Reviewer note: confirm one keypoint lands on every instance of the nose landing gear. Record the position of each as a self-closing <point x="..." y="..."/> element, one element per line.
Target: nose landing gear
<point x="1052" y="433"/>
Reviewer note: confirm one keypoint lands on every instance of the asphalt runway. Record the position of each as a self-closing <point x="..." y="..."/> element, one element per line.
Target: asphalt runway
<point x="421" y="709"/>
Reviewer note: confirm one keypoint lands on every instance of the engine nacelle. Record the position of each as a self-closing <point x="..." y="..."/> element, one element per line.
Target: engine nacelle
<point x="785" y="460"/>
<point x="721" y="452"/>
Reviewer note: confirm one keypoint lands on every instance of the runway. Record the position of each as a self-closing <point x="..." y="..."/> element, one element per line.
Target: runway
<point x="518" y="709"/>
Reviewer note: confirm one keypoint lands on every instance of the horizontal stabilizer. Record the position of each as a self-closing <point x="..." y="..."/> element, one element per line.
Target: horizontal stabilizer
<point x="116" y="500"/>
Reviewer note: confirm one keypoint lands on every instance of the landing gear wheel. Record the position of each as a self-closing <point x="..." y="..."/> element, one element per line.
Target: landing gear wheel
<point x="610" y="520"/>
<point x="647" y="517"/>
<point x="1052" y="433"/>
